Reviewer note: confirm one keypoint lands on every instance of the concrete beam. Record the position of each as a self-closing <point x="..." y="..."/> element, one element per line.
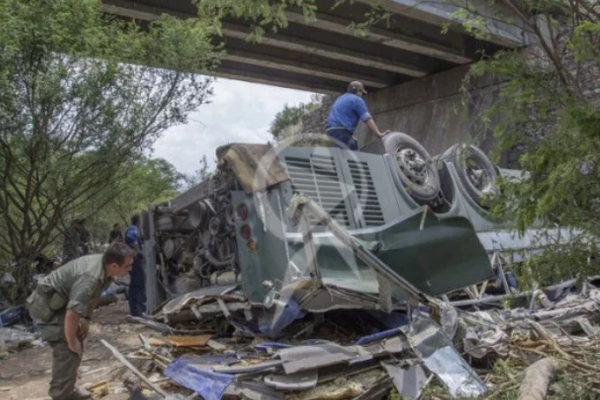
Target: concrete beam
<point x="338" y="25"/>
<point x="261" y="60"/>
<point x="438" y="86"/>
<point x="244" y="77"/>
<point x="241" y="74"/>
<point x="441" y="13"/>
<point x="336" y="53"/>
<point x="149" y="13"/>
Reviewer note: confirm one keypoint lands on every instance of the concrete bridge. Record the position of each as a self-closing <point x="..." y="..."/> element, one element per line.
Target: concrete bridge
<point x="413" y="72"/>
<point x="324" y="55"/>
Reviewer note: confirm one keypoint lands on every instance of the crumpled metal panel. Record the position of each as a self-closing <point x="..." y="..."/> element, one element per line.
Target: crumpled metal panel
<point x="408" y="381"/>
<point x="303" y="358"/>
<point x="480" y="341"/>
<point x="251" y="390"/>
<point x="300" y="381"/>
<point x="196" y="373"/>
<point x="316" y="351"/>
<point x="441" y="358"/>
<point x="176" y="304"/>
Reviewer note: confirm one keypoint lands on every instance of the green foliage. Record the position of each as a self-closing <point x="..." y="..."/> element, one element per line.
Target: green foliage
<point x="290" y="116"/>
<point x="546" y="111"/>
<point x="199" y="175"/>
<point x="264" y="14"/>
<point x="473" y="23"/>
<point x="270" y="16"/>
<point x="575" y="260"/>
<point x="82" y="98"/>
<point x="147" y="181"/>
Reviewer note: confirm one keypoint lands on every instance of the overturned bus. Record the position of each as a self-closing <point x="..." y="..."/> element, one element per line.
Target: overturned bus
<point x="234" y="237"/>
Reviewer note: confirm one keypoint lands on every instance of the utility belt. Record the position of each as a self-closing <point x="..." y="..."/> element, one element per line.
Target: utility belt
<point x="45" y="302"/>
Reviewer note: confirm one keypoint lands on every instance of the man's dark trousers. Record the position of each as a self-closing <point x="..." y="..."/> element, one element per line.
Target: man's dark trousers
<point x="137" y="288"/>
<point x="64" y="362"/>
<point x="343" y="139"/>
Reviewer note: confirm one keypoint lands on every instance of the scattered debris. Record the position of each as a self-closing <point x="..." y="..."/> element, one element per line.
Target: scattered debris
<point x="14" y="339"/>
<point x="216" y="345"/>
<point x="441" y="358"/>
<point x="416" y="357"/>
<point x="98" y="389"/>
<point x="180" y="341"/>
<point x="133" y="369"/>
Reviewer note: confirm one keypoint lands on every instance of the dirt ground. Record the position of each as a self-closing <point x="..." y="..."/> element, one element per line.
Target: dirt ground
<point x="26" y="374"/>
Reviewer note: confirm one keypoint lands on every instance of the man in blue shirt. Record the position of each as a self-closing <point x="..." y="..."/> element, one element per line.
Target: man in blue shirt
<point x="137" y="276"/>
<point x="347" y="111"/>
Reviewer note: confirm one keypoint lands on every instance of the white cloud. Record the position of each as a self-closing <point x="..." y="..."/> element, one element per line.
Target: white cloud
<point x="238" y="112"/>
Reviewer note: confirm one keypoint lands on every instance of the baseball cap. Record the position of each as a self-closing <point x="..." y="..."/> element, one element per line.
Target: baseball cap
<point x="356" y="87"/>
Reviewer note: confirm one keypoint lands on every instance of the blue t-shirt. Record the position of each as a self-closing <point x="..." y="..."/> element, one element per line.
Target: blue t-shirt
<point x="133" y="236"/>
<point x="347" y="110"/>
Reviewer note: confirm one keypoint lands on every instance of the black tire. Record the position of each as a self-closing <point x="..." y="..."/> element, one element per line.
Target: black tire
<point x="476" y="172"/>
<point x="424" y="184"/>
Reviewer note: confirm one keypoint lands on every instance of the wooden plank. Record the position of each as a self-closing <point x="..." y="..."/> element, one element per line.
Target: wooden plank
<point x="133" y="369"/>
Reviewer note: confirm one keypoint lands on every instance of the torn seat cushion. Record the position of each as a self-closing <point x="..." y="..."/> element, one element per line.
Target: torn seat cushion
<point x="256" y="166"/>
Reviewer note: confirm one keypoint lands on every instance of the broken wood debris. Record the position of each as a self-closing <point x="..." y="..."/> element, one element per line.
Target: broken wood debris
<point x="180" y="341"/>
<point x="132" y="368"/>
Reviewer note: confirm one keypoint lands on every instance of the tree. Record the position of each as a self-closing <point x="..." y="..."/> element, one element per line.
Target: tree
<point x="200" y="174"/>
<point x="82" y="96"/>
<point x="290" y="116"/>
<point x="147" y="181"/>
<point x="267" y="15"/>
<point x="548" y="112"/>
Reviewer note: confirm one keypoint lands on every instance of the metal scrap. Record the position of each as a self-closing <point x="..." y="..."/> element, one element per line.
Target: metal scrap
<point x="15" y="338"/>
<point x="441" y="358"/>
<point x="407" y="358"/>
<point x="291" y="382"/>
<point x="201" y="296"/>
<point x="409" y="380"/>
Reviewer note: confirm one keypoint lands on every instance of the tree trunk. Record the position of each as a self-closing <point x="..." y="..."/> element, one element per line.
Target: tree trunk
<point x="23" y="274"/>
<point x="537" y="378"/>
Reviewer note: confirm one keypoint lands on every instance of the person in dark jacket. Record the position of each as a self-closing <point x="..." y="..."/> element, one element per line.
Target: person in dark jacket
<point x="72" y="247"/>
<point x="115" y="235"/>
<point x="84" y="236"/>
<point x="137" y="282"/>
<point x="347" y="111"/>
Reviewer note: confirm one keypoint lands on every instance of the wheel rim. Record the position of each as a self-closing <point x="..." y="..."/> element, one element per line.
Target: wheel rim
<point x="479" y="176"/>
<point x="413" y="165"/>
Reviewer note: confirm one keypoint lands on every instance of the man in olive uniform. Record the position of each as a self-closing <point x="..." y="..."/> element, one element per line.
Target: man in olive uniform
<point x="62" y="305"/>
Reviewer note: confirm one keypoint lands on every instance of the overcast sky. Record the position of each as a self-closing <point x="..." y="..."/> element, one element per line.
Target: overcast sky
<point x="239" y="112"/>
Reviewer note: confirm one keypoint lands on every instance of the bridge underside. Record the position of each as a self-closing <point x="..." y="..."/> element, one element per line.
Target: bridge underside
<point x="324" y="55"/>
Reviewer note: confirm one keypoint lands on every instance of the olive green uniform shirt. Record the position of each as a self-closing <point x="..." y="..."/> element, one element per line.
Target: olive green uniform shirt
<point x="71" y="287"/>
